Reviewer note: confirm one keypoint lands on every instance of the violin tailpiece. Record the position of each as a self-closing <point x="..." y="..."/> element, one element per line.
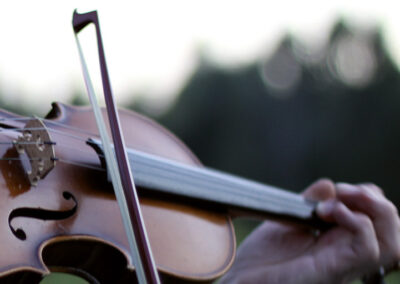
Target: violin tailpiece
<point x="35" y="142"/>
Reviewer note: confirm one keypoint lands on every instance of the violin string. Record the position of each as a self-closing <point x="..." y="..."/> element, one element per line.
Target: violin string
<point x="27" y="118"/>
<point x="31" y="159"/>
<point x="54" y="159"/>
<point x="20" y="128"/>
<point x="203" y="182"/>
<point x="52" y="142"/>
<point x="2" y="129"/>
<point x="28" y="143"/>
<point x="50" y="129"/>
<point x="232" y="189"/>
<point x="81" y="165"/>
<point x="13" y="143"/>
<point x="76" y="129"/>
<point x="17" y="118"/>
<point x="200" y="179"/>
<point x="57" y="160"/>
<point x="227" y="187"/>
<point x="204" y="179"/>
<point x="65" y="160"/>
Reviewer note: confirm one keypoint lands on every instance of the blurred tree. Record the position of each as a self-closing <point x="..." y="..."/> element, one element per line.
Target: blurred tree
<point x="297" y="116"/>
<point x="78" y="99"/>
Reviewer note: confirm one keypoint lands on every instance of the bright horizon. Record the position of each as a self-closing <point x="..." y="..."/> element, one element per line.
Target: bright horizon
<point x="152" y="47"/>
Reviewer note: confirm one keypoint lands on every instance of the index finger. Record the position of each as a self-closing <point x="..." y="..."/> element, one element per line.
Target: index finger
<point x="320" y="190"/>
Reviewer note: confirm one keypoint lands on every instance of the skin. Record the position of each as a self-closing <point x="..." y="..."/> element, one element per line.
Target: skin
<point x="366" y="236"/>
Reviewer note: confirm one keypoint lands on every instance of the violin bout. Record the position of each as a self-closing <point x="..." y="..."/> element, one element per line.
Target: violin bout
<point x="70" y="218"/>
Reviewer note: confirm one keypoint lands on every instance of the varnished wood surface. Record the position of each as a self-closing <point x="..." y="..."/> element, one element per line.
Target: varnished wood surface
<point x="188" y="242"/>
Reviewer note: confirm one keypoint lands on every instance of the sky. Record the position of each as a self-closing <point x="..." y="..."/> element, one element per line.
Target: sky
<point x="152" y="47"/>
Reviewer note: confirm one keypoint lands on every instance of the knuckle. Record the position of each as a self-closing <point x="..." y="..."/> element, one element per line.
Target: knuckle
<point x="365" y="223"/>
<point x="364" y="190"/>
<point x="392" y="208"/>
<point x="387" y="208"/>
<point x="339" y="209"/>
<point x="373" y="187"/>
<point x="366" y="196"/>
<point x="377" y="203"/>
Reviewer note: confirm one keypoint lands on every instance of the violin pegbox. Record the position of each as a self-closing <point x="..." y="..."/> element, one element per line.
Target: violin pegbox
<point x="36" y="150"/>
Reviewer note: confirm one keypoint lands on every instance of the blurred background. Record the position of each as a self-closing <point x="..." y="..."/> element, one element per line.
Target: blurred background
<point x="283" y="93"/>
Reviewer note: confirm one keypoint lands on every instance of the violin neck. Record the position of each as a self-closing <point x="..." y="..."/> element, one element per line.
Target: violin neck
<point x="217" y="190"/>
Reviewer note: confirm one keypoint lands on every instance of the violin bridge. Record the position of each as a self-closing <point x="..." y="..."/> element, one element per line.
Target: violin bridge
<point x="37" y="147"/>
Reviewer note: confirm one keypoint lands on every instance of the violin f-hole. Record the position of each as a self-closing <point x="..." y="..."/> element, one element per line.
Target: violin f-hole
<point x="41" y="214"/>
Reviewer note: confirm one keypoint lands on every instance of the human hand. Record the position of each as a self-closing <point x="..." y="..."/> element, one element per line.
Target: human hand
<point x="366" y="237"/>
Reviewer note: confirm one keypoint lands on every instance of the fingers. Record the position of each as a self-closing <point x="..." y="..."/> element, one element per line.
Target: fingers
<point x="373" y="187"/>
<point x="339" y="213"/>
<point x="322" y="189"/>
<point x="369" y="200"/>
<point x="364" y="244"/>
<point x="366" y="198"/>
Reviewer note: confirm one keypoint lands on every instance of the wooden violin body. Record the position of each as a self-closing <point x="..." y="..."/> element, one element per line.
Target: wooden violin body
<point x="70" y="221"/>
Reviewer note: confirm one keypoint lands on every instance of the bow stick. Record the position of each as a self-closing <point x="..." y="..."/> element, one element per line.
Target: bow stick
<point x="121" y="176"/>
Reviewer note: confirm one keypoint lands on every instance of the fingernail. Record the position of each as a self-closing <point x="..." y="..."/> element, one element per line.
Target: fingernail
<point x="325" y="208"/>
<point x="342" y="186"/>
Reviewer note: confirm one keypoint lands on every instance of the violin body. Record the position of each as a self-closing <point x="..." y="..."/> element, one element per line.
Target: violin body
<point x="70" y="221"/>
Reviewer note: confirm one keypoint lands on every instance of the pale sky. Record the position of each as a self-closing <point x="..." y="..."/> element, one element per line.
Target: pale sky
<point x="152" y="46"/>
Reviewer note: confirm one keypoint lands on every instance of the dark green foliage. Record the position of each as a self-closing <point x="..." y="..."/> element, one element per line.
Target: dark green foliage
<point x="322" y="126"/>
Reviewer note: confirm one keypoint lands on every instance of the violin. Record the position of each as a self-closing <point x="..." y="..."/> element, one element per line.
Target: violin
<point x="60" y="213"/>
